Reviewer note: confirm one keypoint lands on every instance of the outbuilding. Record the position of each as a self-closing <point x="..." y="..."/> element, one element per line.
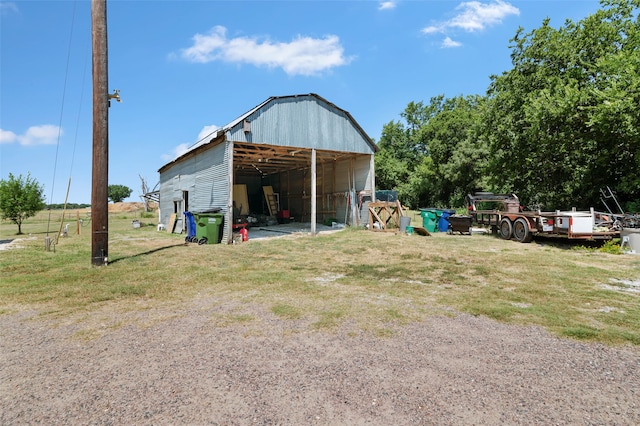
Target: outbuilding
<point x="296" y="157"/>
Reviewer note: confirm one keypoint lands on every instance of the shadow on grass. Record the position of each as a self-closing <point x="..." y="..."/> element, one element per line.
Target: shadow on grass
<point x="566" y="244"/>
<point x="28" y="234"/>
<point x="133" y="256"/>
<point x="559" y="242"/>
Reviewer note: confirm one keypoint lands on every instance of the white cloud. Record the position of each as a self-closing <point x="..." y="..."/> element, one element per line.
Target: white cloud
<point x="448" y="43"/>
<point x="41" y="135"/>
<point x="35" y="135"/>
<point x="177" y="152"/>
<point x="385" y="5"/>
<point x="183" y="148"/>
<point x="303" y="55"/>
<point x="475" y="16"/>
<point x="7" y="137"/>
<point x="8" y="7"/>
<point x="433" y="29"/>
<point x="206" y="131"/>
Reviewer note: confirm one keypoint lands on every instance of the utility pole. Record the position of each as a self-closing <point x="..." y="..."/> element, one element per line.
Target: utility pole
<point x="100" y="176"/>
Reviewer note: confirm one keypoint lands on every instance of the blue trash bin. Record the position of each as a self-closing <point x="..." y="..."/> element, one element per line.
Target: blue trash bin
<point x="191" y="227"/>
<point x="443" y="220"/>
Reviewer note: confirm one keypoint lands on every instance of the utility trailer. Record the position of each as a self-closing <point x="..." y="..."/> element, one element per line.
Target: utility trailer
<point x="504" y="214"/>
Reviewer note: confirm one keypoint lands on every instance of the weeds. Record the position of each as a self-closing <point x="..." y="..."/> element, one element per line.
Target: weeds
<point x="611" y="247"/>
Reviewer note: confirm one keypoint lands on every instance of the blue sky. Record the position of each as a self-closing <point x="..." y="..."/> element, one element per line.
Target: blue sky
<point x="186" y="67"/>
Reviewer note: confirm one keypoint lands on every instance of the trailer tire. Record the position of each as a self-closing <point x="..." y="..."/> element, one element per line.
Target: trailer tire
<point x="506" y="229"/>
<point x="521" y="230"/>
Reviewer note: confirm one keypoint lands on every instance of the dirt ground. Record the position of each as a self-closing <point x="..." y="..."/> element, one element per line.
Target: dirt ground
<point x="177" y="365"/>
<point x="130" y="207"/>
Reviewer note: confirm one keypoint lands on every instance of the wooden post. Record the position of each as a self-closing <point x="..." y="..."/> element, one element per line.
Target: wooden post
<point x="372" y="174"/>
<point x="352" y="192"/>
<point x="100" y="172"/>
<point x="313" y="191"/>
<point x="228" y="224"/>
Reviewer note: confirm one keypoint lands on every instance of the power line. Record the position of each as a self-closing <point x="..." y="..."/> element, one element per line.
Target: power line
<point x="64" y="91"/>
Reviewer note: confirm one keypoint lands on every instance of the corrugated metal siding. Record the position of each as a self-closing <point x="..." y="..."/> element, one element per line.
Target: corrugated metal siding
<point x="211" y="180"/>
<point x="166" y="195"/>
<point x="204" y="176"/>
<point x="172" y="183"/>
<point x="302" y="122"/>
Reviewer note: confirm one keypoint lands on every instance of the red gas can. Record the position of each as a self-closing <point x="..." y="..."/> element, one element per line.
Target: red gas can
<point x="244" y="233"/>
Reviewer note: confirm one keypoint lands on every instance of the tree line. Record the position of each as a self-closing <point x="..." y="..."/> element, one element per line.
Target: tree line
<point x="23" y="197"/>
<point x="557" y="127"/>
<point x="68" y="206"/>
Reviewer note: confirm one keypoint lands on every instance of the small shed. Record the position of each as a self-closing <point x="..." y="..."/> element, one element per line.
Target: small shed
<point x="297" y="156"/>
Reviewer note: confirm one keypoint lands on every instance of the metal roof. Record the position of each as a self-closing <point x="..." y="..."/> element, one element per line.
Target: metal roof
<point x="219" y="135"/>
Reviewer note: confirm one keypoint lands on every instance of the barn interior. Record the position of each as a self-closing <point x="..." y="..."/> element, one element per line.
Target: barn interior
<point x="275" y="181"/>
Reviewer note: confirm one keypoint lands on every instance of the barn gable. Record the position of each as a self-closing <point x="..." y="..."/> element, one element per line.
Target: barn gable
<point x="303" y="121"/>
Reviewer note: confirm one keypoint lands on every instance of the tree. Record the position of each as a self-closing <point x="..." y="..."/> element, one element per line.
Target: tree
<point x="20" y="199"/>
<point x="117" y="193"/>
<point x="458" y="154"/>
<point x="438" y="156"/>
<point x="564" y="122"/>
<point x="561" y="124"/>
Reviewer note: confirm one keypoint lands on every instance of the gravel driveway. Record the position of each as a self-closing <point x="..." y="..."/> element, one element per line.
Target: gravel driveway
<point x="176" y="366"/>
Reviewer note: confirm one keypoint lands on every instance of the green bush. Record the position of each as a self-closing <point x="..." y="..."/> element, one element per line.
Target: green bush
<point x="611" y="246"/>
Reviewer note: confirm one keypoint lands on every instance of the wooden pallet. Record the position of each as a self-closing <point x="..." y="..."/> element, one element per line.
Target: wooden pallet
<point x="386" y="214"/>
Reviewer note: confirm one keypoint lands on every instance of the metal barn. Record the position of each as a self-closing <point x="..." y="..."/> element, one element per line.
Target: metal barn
<point x="311" y="157"/>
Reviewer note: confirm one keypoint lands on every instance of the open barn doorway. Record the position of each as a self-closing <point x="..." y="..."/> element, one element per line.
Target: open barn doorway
<point x="273" y="185"/>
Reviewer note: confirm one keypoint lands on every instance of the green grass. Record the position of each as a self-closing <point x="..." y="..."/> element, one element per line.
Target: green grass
<point x="286" y="311"/>
<point x="361" y="280"/>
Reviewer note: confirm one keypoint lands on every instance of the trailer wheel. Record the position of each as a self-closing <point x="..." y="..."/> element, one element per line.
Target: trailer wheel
<point x="521" y="231"/>
<point x="506" y="229"/>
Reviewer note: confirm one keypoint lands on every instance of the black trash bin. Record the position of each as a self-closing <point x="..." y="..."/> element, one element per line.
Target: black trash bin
<point x="459" y="223"/>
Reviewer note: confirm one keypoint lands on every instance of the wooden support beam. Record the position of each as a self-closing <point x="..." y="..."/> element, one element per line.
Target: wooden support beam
<point x="228" y="224"/>
<point x="372" y="172"/>
<point x="313" y="192"/>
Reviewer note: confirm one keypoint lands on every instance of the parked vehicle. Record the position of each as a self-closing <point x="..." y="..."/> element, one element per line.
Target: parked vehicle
<point x="504" y="214"/>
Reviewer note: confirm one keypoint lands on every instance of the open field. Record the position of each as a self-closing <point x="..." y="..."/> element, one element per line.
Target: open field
<point x="376" y="281"/>
<point x="351" y="327"/>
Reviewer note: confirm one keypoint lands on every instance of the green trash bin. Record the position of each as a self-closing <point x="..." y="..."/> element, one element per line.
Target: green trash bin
<point x="208" y="227"/>
<point x="430" y="219"/>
